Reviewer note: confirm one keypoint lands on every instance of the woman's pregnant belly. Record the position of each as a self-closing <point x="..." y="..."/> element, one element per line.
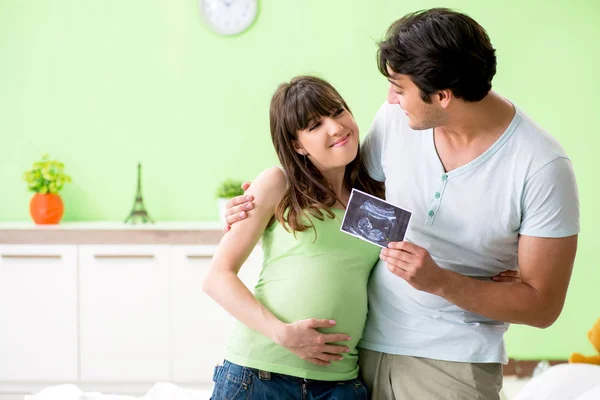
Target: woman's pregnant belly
<point x="342" y="298"/>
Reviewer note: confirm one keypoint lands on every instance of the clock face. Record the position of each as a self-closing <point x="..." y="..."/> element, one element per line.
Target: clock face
<point x="229" y="17"/>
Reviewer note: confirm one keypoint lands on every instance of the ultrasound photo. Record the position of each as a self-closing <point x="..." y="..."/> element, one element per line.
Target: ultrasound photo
<point x="375" y="220"/>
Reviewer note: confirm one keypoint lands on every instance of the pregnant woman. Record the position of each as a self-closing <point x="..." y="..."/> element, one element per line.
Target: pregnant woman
<point x="299" y="330"/>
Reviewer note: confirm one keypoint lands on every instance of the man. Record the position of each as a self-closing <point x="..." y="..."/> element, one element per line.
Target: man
<point x="489" y="190"/>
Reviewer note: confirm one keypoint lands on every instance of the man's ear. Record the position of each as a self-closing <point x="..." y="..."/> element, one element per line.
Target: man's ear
<point x="444" y="97"/>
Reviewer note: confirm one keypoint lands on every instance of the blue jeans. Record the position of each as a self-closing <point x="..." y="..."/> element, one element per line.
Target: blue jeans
<point x="233" y="382"/>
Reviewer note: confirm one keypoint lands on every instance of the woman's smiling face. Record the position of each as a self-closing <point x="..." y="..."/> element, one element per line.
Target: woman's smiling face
<point x="329" y="141"/>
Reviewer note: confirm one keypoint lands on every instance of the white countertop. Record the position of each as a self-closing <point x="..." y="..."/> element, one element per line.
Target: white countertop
<point x="114" y="225"/>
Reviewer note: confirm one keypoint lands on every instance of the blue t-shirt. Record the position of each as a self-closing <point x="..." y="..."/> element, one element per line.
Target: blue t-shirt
<point x="469" y="220"/>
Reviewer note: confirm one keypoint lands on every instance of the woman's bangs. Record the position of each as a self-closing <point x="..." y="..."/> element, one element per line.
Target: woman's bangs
<point x="307" y="105"/>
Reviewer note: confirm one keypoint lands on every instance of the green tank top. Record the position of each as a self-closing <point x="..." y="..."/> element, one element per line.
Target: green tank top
<point x="303" y="278"/>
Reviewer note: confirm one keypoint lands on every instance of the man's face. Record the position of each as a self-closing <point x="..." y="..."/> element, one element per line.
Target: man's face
<point x="407" y="95"/>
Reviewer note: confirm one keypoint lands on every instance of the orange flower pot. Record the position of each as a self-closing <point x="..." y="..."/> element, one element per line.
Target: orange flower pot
<point x="46" y="209"/>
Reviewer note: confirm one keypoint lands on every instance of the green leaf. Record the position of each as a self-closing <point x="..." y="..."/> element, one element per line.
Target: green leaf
<point x="46" y="176"/>
<point x="229" y="188"/>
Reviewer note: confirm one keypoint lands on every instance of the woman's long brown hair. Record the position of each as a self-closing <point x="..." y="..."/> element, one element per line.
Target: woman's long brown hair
<point x="293" y="106"/>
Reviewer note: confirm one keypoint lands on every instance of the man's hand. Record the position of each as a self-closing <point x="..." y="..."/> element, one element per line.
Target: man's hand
<point x="303" y="339"/>
<point x="508" y="276"/>
<point x="236" y="208"/>
<point x="413" y="264"/>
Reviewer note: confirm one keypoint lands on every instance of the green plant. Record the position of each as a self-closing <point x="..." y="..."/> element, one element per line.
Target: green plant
<point x="46" y="176"/>
<point x="229" y="188"/>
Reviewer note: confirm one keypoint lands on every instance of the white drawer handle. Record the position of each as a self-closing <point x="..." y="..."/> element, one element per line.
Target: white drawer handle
<point x="32" y="256"/>
<point x="124" y="256"/>
<point x="198" y="256"/>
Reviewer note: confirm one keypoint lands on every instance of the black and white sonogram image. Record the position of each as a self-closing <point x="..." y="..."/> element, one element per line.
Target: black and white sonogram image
<point x="375" y="220"/>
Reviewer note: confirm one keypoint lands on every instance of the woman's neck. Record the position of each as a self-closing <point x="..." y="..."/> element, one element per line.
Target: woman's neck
<point x="336" y="178"/>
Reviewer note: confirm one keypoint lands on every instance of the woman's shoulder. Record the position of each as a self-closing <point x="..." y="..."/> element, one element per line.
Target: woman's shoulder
<point x="273" y="177"/>
<point x="271" y="182"/>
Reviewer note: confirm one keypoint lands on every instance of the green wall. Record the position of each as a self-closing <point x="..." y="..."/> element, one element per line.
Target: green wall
<point x="103" y="84"/>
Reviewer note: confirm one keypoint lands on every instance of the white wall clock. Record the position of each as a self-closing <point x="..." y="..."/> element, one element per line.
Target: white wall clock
<point x="229" y="17"/>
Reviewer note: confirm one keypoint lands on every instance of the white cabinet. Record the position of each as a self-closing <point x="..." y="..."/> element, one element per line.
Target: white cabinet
<point x="38" y="313"/>
<point x="201" y="327"/>
<point x="124" y="313"/>
<point x="110" y="314"/>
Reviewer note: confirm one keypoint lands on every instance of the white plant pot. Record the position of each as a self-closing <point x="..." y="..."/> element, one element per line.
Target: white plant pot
<point x="221" y="203"/>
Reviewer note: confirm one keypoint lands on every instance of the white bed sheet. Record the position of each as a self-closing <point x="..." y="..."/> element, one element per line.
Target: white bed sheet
<point x="160" y="391"/>
<point x="564" y="382"/>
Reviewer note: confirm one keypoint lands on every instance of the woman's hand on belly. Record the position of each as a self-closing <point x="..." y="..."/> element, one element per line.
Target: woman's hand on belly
<point x="303" y="339"/>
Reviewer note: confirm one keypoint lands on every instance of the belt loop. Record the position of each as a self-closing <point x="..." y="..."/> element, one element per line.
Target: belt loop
<point x="264" y="375"/>
<point x="216" y="373"/>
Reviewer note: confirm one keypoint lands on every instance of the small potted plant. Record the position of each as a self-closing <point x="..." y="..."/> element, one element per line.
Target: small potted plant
<point x="226" y="190"/>
<point x="46" y="178"/>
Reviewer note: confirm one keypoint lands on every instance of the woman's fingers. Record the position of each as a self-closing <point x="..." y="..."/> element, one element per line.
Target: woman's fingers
<point x="333" y="349"/>
<point x="335" y="337"/>
<point x="316" y="361"/>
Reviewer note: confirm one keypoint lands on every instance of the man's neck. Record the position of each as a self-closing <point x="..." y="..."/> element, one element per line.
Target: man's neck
<point x="479" y="121"/>
<point x="472" y="129"/>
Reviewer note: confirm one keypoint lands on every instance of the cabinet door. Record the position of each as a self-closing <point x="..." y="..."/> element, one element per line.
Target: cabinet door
<point x="124" y="313"/>
<point x="38" y="313"/>
<point x="201" y="328"/>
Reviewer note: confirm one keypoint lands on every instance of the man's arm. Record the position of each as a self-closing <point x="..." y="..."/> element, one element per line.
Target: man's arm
<point x="546" y="253"/>
<point x="545" y="266"/>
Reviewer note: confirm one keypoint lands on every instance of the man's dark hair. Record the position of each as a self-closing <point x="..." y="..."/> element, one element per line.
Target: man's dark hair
<point x="440" y="49"/>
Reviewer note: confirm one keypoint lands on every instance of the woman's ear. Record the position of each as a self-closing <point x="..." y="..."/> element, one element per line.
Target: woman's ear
<point x="298" y="148"/>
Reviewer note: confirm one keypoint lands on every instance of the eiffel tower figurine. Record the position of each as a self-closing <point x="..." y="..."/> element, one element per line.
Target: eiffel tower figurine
<point x="138" y="212"/>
